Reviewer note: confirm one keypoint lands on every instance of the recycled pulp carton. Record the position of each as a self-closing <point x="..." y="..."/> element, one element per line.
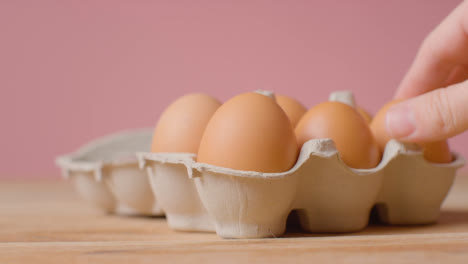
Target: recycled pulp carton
<point x="105" y="172"/>
<point x="327" y="195"/>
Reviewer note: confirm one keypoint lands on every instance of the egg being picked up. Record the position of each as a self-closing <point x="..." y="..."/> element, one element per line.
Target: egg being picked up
<point x="348" y="130"/>
<point x="181" y="125"/>
<point x="249" y="132"/>
<point x="437" y="151"/>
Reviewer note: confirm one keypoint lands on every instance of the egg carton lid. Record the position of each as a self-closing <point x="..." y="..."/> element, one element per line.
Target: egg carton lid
<point x="106" y="151"/>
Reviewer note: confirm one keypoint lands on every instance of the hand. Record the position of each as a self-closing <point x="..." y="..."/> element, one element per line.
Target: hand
<point x="437" y="81"/>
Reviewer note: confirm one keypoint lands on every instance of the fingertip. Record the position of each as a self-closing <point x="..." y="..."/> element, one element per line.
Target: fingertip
<point x="399" y="121"/>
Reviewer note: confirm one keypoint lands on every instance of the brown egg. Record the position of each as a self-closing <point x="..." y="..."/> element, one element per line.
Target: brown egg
<point x="378" y="126"/>
<point x="437" y="152"/>
<point x="293" y="109"/>
<point x="350" y="132"/>
<point x="249" y="132"/>
<point x="365" y="115"/>
<point x="181" y="125"/>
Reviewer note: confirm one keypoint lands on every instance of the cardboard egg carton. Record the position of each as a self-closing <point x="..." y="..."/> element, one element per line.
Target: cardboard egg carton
<point x="326" y="194"/>
<point x="105" y="173"/>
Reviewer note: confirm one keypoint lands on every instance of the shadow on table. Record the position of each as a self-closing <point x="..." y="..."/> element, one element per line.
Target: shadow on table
<point x="449" y="221"/>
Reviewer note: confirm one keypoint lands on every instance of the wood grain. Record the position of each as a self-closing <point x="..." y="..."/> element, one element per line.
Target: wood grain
<point x="45" y="222"/>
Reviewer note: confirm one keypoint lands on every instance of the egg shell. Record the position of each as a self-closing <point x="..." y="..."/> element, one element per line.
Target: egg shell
<point x="436" y="152"/>
<point x="105" y="173"/>
<point x="293" y="108"/>
<point x="249" y="132"/>
<point x="346" y="127"/>
<point x="365" y="115"/>
<point x="378" y="126"/>
<point x="181" y="126"/>
<point x="327" y="195"/>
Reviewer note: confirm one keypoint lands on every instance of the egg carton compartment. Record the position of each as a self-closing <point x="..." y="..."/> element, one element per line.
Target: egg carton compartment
<point x="177" y="194"/>
<point x="413" y="188"/>
<point x="326" y="194"/>
<point x="105" y="173"/>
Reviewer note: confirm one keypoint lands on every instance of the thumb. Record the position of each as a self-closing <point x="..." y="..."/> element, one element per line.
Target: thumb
<point x="437" y="115"/>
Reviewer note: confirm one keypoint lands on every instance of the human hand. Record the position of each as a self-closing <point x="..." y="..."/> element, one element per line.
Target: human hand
<point x="437" y="80"/>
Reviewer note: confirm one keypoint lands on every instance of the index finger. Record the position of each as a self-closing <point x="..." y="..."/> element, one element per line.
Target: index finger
<point x="442" y="58"/>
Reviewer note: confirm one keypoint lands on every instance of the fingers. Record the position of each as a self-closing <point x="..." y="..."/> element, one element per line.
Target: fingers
<point x="436" y="115"/>
<point x="442" y="59"/>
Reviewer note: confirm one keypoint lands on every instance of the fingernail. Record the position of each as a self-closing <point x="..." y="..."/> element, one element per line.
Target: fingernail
<point x="400" y="121"/>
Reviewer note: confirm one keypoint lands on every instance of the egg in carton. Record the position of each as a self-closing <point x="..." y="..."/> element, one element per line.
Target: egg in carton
<point x="327" y="195"/>
<point x="105" y="173"/>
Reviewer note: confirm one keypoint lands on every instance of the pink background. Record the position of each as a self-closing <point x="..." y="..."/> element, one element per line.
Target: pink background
<point x="74" y="70"/>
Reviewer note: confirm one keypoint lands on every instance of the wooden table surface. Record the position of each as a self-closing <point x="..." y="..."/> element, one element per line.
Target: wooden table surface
<point x="45" y="222"/>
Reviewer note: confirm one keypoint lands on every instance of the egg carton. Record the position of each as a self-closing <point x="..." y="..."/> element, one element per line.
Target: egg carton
<point x="327" y="195"/>
<point x="105" y="173"/>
